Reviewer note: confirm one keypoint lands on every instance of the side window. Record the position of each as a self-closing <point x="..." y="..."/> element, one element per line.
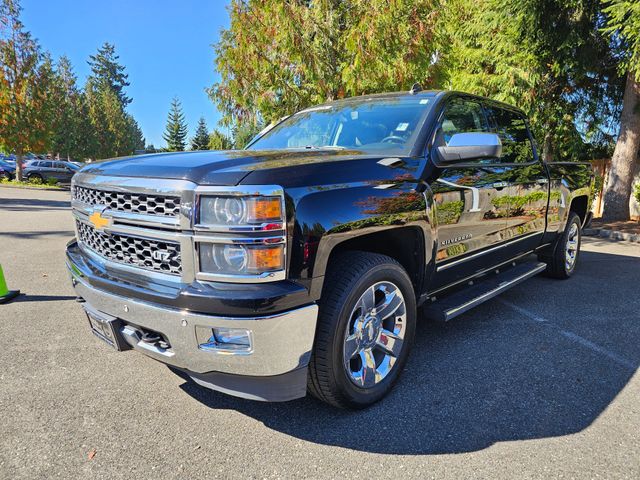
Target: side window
<point x="46" y="165"/>
<point x="462" y="116"/>
<point x="512" y="130"/>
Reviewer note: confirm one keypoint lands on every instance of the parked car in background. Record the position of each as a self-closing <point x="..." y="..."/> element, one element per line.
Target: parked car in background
<point x="7" y="170"/>
<point x="46" y="169"/>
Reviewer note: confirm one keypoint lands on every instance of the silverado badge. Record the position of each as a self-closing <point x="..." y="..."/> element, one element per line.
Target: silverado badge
<point x="97" y="220"/>
<point x="457" y="239"/>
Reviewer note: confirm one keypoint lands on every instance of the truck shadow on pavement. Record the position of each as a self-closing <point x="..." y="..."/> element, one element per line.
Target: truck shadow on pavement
<point x="33" y="204"/>
<point x="543" y="360"/>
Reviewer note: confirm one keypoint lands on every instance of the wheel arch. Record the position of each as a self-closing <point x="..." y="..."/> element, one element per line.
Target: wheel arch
<point x="406" y="245"/>
<point x="580" y="205"/>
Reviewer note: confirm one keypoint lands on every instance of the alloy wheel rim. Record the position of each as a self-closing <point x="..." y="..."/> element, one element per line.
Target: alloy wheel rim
<point x="375" y="334"/>
<point x="571" y="250"/>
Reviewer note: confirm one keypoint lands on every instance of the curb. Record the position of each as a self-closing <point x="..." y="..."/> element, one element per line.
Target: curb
<point x="612" y="234"/>
<point x="50" y="189"/>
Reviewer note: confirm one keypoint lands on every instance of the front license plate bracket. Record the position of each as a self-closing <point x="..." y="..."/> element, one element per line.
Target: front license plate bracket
<point x="107" y="329"/>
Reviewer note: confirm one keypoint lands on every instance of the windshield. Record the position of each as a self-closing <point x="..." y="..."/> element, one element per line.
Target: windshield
<point x="371" y="124"/>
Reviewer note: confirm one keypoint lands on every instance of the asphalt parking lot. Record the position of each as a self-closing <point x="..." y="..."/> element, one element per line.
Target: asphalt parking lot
<point x="540" y="383"/>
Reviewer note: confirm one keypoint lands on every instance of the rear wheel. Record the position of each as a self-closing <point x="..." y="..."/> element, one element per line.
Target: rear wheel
<point x="365" y="330"/>
<point x="563" y="260"/>
<point x="35" y="176"/>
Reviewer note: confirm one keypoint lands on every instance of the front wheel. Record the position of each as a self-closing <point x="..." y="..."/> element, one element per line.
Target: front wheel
<point x="365" y="330"/>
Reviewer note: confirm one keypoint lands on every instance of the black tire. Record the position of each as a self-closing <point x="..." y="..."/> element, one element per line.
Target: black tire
<point x="31" y="176"/>
<point x="347" y="279"/>
<point x="557" y="265"/>
<point x="5" y="176"/>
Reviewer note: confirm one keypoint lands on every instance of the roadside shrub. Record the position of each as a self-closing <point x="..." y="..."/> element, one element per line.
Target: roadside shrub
<point x="52" y="181"/>
<point x="636" y="193"/>
<point x="35" y="180"/>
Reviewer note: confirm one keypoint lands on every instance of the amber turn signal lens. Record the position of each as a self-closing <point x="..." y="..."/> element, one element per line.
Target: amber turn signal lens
<point x="263" y="259"/>
<point x="263" y="209"/>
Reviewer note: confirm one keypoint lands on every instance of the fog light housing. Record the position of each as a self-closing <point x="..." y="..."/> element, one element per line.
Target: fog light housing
<point x="220" y="339"/>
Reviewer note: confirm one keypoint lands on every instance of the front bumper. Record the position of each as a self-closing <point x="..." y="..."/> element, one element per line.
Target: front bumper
<point x="274" y="370"/>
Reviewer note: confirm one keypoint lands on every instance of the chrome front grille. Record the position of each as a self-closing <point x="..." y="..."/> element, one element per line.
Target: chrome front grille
<point x="155" y="255"/>
<point x="144" y="204"/>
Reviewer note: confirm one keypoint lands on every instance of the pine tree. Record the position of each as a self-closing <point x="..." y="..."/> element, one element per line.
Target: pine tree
<point x="106" y="72"/>
<point x="176" y="130"/>
<point x="201" y="139"/>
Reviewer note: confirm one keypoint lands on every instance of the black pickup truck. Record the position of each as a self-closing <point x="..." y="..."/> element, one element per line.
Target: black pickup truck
<point x="303" y="262"/>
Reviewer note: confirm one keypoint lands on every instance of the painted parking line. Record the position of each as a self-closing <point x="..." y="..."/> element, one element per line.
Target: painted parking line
<point x="571" y="335"/>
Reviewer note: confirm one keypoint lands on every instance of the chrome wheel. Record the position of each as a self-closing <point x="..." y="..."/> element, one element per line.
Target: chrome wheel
<point x="571" y="250"/>
<point x="375" y="334"/>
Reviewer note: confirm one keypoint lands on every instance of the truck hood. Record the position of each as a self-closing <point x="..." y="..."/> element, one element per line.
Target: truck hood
<point x="215" y="167"/>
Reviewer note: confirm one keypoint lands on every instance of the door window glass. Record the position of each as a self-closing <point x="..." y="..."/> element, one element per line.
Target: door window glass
<point x="512" y="130"/>
<point x="462" y="116"/>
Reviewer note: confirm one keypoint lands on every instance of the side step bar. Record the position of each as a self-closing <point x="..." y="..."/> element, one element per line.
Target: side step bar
<point x="457" y="303"/>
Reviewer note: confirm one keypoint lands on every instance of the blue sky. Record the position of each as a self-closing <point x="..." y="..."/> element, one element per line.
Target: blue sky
<point x="165" y="46"/>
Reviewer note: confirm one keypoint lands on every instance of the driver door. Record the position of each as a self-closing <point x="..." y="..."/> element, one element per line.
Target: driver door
<point x="471" y="201"/>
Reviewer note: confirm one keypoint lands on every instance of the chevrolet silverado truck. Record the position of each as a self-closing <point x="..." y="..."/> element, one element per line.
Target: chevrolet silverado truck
<point x="302" y="262"/>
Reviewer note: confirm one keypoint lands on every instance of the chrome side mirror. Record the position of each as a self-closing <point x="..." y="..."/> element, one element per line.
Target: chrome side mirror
<point x="470" y="146"/>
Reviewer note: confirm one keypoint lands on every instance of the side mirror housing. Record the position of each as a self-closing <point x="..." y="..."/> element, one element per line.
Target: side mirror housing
<point x="470" y="146"/>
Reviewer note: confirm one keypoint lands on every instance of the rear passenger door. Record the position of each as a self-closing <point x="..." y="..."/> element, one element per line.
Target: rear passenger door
<point x="470" y="201"/>
<point x="528" y="190"/>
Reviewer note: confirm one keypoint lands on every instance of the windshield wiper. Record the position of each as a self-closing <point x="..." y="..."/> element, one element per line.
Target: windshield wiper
<point x="333" y="147"/>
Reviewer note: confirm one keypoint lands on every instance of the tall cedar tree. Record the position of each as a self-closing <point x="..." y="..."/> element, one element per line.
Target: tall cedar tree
<point x="623" y="23"/>
<point x="201" y="139"/>
<point x="176" y="130"/>
<point x="24" y="87"/>
<point x="279" y="57"/>
<point x="545" y="60"/>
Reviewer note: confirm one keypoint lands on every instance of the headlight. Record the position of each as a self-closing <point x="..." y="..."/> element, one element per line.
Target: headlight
<point x="240" y="234"/>
<point x="230" y="259"/>
<point x="238" y="210"/>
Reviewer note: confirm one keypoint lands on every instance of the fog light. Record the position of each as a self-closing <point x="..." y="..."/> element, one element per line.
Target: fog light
<point x="224" y="339"/>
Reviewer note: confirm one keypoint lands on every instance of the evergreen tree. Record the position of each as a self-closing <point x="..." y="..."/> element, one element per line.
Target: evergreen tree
<point x="176" y="130"/>
<point x="107" y="73"/>
<point x="544" y="59"/>
<point x="219" y="141"/>
<point x="201" y="139"/>
<point x="69" y="134"/>
<point x="244" y="132"/>
<point x="623" y="24"/>
<point x="279" y="57"/>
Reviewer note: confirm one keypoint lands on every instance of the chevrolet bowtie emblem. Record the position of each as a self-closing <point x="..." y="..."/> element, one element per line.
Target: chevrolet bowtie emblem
<point x="98" y="221"/>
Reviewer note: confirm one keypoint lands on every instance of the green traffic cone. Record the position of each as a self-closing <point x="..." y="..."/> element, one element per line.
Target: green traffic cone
<point x="5" y="293"/>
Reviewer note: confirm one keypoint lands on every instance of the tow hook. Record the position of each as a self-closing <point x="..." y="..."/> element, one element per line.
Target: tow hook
<point x="153" y="338"/>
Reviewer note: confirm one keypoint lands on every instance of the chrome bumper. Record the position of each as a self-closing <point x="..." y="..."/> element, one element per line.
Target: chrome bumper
<point x="281" y="342"/>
